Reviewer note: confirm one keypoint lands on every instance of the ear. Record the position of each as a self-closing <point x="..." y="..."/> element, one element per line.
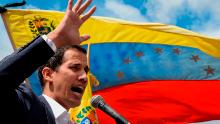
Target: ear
<point x="47" y="74"/>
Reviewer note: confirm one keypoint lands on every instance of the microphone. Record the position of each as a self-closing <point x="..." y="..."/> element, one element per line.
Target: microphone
<point x="98" y="102"/>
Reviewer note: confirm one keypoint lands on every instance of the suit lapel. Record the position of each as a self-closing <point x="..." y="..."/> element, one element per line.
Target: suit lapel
<point x="49" y="112"/>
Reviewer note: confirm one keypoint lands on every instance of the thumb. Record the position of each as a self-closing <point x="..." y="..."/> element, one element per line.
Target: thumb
<point x="84" y="37"/>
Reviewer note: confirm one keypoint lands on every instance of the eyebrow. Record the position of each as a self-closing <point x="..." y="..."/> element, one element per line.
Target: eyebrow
<point x="86" y="68"/>
<point x="75" y="64"/>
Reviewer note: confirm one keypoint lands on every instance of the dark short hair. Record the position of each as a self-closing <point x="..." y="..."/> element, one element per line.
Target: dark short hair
<point x="56" y="60"/>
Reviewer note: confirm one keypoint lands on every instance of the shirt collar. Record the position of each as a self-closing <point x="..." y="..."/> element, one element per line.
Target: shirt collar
<point x="57" y="109"/>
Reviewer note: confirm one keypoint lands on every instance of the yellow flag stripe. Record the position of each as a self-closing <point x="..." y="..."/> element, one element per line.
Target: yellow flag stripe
<point x="105" y="30"/>
<point x="19" y="27"/>
<point x="108" y="30"/>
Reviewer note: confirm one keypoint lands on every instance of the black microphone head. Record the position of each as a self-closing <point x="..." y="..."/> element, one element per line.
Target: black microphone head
<point x="96" y="100"/>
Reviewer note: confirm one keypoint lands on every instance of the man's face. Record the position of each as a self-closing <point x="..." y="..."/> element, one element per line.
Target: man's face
<point x="70" y="79"/>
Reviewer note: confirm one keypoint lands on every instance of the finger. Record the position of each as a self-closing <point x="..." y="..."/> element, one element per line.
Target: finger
<point x="84" y="37"/>
<point x="70" y="4"/>
<point x="84" y="6"/>
<point x="88" y="14"/>
<point x="77" y="5"/>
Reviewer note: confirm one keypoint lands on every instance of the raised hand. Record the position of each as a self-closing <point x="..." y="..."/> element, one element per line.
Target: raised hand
<point x="67" y="32"/>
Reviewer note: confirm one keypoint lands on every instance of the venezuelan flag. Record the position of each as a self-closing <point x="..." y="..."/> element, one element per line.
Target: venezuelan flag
<point x="148" y="72"/>
<point x="154" y="73"/>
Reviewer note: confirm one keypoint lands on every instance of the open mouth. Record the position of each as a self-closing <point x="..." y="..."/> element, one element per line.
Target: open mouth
<point x="77" y="89"/>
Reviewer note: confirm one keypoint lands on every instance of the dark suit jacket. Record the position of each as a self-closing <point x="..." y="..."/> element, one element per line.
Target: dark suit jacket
<point x="21" y="105"/>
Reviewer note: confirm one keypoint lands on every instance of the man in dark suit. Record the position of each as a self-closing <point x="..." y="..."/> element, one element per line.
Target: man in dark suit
<point x="64" y="79"/>
<point x="21" y="105"/>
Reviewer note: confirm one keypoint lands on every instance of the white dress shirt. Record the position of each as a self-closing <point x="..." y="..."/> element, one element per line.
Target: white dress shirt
<point x="60" y="113"/>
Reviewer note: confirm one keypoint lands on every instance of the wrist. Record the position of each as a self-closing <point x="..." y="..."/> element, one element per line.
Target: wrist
<point x="54" y="37"/>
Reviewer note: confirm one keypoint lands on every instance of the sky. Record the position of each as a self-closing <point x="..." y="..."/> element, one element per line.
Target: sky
<point x="201" y="16"/>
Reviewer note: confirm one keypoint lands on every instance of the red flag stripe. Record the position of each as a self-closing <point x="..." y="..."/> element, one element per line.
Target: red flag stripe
<point x="161" y="102"/>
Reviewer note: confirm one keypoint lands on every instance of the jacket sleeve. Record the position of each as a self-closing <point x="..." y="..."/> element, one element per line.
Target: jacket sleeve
<point x="22" y="63"/>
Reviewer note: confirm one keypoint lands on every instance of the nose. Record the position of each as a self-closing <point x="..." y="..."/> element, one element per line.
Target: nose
<point x="83" y="77"/>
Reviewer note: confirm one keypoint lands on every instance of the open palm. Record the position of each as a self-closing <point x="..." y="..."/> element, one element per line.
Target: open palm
<point x="67" y="31"/>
